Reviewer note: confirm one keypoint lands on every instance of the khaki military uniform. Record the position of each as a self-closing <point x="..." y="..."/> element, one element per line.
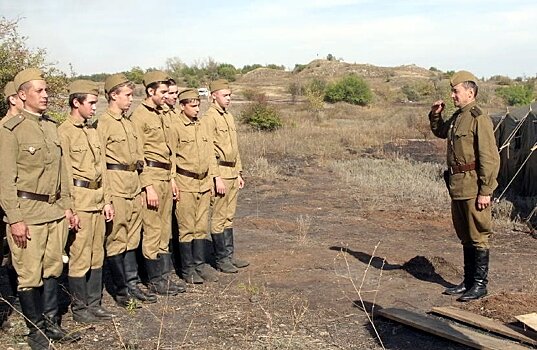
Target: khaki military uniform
<point x="85" y="165"/>
<point x="194" y="173"/>
<point x="3" y="226"/>
<point x="229" y="165"/>
<point x="154" y="129"/>
<point x="473" y="162"/>
<point x="34" y="189"/>
<point x="121" y="182"/>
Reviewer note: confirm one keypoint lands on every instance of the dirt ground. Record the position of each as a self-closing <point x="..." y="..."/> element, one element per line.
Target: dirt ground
<point x="320" y="254"/>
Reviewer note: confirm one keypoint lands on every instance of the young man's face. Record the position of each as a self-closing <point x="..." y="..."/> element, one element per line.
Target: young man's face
<point x="88" y="107"/>
<point x="171" y="98"/>
<point x="222" y="97"/>
<point x="159" y="94"/>
<point x="35" y="98"/>
<point x="123" y="98"/>
<point x="191" y="108"/>
<point x="461" y="95"/>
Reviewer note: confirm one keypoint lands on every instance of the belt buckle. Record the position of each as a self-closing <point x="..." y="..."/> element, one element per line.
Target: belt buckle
<point x="51" y="199"/>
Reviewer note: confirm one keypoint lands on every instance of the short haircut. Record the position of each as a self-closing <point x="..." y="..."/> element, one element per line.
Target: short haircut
<point x="171" y="82"/>
<point x="154" y="85"/>
<point x="77" y="96"/>
<point x="25" y="86"/>
<point x="471" y="85"/>
<point x="116" y="89"/>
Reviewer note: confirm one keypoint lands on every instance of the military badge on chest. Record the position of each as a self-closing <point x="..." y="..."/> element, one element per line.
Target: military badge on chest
<point x="31" y="150"/>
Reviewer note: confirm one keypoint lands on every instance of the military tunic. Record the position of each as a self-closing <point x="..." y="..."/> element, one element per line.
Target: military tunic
<point x="32" y="164"/>
<point x="118" y="139"/>
<point x="155" y="137"/>
<point x="470" y="141"/>
<point x="229" y="166"/>
<point x="85" y="165"/>
<point x="194" y="173"/>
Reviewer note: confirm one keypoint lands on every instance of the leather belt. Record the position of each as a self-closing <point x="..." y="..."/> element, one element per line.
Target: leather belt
<point x="155" y="164"/>
<point x="124" y="167"/>
<point x="49" y="198"/>
<point x="461" y="168"/>
<point x="228" y="164"/>
<point x="191" y="174"/>
<point x="92" y="185"/>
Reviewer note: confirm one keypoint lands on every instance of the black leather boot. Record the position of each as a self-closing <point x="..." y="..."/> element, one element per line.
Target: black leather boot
<point x="131" y="274"/>
<point x="479" y="289"/>
<point x="32" y="309"/>
<point x="223" y="261"/>
<point x="95" y="295"/>
<point x="203" y="269"/>
<point x="469" y="266"/>
<point x="79" y="300"/>
<point x="188" y="270"/>
<point x="156" y="283"/>
<point x="53" y="330"/>
<point x="168" y="270"/>
<point x="121" y="295"/>
<point x="228" y="239"/>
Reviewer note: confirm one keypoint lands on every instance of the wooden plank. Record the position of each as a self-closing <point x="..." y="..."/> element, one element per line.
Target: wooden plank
<point x="529" y="320"/>
<point x="486" y="323"/>
<point x="454" y="332"/>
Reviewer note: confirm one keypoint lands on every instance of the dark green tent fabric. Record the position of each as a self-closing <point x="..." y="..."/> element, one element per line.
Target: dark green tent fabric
<point x="516" y="135"/>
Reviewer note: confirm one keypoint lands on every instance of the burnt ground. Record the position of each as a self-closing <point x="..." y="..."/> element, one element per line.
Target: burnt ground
<point x="320" y="253"/>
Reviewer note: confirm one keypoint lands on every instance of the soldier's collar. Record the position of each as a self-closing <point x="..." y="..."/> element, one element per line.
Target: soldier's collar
<point x="468" y="107"/>
<point x="218" y="108"/>
<point x="186" y="120"/>
<point x="32" y="116"/>
<point x="74" y="120"/>
<point x="152" y="107"/>
<point x="114" y="115"/>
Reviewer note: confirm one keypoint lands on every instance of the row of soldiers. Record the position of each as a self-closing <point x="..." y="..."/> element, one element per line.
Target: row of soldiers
<point x="90" y="189"/>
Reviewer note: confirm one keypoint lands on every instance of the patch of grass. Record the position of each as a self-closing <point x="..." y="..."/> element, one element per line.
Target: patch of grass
<point x="400" y="181"/>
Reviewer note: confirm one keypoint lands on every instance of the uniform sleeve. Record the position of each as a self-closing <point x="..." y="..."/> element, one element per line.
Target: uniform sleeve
<point x="211" y="126"/>
<point x="103" y="139"/>
<point x="67" y="169"/>
<point x="439" y="126"/>
<point x="488" y="156"/>
<point x="138" y="124"/>
<point x="8" y="174"/>
<point x="173" y="144"/>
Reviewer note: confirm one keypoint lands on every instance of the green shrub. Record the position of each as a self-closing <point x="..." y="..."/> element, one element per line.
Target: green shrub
<point x="261" y="116"/>
<point x="517" y="95"/>
<point x="351" y="89"/>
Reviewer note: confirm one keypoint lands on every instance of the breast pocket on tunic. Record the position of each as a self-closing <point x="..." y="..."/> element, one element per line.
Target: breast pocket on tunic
<point x="33" y="153"/>
<point x="118" y="139"/>
<point x="78" y="153"/>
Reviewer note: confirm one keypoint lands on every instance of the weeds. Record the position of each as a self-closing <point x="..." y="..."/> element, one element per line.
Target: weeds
<point x="303" y="227"/>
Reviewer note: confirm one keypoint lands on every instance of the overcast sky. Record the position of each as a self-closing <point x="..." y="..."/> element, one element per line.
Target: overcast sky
<point x="487" y="37"/>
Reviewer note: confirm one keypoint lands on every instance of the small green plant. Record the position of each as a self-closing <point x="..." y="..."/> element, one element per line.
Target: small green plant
<point x="517" y="95"/>
<point x="132" y="306"/>
<point x="351" y="89"/>
<point x="261" y="116"/>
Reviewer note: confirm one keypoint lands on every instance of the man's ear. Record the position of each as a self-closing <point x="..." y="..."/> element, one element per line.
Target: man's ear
<point x="22" y="95"/>
<point x="150" y="92"/>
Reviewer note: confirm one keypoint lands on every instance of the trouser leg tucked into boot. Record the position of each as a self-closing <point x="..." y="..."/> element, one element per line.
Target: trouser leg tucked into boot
<point x="188" y="269"/>
<point x="156" y="283"/>
<point x="79" y="300"/>
<point x="53" y="330"/>
<point x="32" y="309"/>
<point x="223" y="261"/>
<point x="228" y="238"/>
<point x="121" y="295"/>
<point x="203" y="269"/>
<point x="131" y="277"/>
<point x="469" y="266"/>
<point x="95" y="295"/>
<point x="479" y="288"/>
<point x="168" y="270"/>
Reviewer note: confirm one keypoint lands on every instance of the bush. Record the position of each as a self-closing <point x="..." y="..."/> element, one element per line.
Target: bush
<point x="517" y="95"/>
<point x="261" y="116"/>
<point x="351" y="89"/>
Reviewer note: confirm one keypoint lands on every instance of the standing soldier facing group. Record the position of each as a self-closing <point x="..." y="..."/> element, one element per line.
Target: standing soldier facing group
<point x="473" y="162"/>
